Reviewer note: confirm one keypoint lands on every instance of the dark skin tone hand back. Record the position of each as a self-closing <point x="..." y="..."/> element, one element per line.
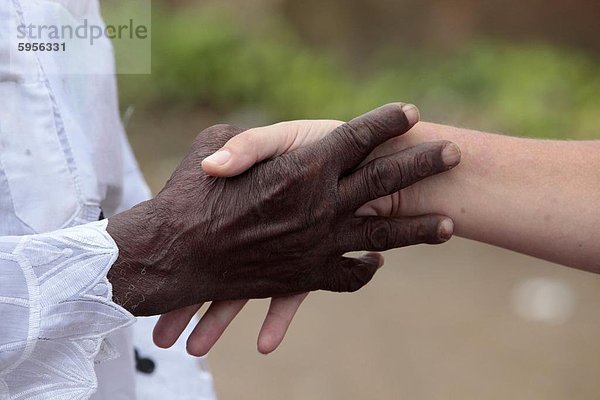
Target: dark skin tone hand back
<point x="278" y="229"/>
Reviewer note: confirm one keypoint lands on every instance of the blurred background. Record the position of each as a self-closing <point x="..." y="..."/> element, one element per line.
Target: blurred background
<point x="458" y="321"/>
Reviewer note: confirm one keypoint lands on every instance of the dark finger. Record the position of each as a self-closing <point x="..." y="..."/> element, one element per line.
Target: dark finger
<point x="381" y="233"/>
<point x="387" y="175"/>
<point x="350" y="143"/>
<point x="351" y="274"/>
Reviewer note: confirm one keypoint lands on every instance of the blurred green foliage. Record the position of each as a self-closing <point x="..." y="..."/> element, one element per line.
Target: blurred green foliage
<point x="206" y="58"/>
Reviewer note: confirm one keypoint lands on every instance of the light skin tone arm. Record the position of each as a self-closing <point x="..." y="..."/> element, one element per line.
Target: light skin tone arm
<point x="537" y="197"/>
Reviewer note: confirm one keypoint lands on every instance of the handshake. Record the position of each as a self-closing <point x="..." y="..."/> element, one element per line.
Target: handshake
<point x="224" y="230"/>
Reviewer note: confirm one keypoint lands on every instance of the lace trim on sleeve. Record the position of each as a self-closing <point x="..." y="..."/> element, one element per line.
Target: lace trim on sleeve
<point x="69" y="309"/>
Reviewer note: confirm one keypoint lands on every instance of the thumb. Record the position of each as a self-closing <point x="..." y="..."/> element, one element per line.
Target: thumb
<point x="258" y="144"/>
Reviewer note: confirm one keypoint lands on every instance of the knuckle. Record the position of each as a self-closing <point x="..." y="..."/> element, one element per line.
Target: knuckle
<point x="405" y="172"/>
<point x="245" y="141"/>
<point x="351" y="139"/>
<point x="414" y="168"/>
<point x="381" y="176"/>
<point x="378" y="235"/>
<point x="292" y="170"/>
<point x="373" y="127"/>
<point x="416" y="233"/>
<point x="422" y="164"/>
<point x="369" y="125"/>
<point x="395" y="204"/>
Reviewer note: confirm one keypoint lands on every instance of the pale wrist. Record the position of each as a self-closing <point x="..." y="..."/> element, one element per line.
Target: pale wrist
<point x="436" y="194"/>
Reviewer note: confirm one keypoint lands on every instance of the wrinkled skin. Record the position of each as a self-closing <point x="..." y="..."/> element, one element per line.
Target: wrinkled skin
<point x="278" y="229"/>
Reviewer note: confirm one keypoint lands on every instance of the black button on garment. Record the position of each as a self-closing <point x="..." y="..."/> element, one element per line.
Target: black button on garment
<point x="143" y="364"/>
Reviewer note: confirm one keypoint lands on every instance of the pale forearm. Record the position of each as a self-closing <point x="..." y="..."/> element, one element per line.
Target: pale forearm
<point x="537" y="197"/>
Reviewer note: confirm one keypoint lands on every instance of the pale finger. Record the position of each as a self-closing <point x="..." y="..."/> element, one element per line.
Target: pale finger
<point x="279" y="317"/>
<point x="212" y="325"/>
<point x="171" y="325"/>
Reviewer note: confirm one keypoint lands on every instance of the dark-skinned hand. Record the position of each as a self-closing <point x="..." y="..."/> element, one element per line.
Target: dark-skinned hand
<point x="278" y="229"/>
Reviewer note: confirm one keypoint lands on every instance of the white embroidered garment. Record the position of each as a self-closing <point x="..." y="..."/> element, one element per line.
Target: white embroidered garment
<point x="64" y="157"/>
<point x="57" y="306"/>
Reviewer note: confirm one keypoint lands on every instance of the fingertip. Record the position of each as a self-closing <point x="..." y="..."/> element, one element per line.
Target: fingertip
<point x="161" y="342"/>
<point x="267" y="344"/>
<point x="445" y="229"/>
<point x="408" y="115"/>
<point x="411" y="112"/>
<point x="161" y="337"/>
<point x="196" y="347"/>
<point x="451" y="155"/>
<point x="270" y="337"/>
<point x="170" y="326"/>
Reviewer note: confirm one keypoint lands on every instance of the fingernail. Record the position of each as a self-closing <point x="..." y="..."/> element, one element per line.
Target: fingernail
<point x="411" y="112"/>
<point x="446" y="229"/>
<point x="219" y="158"/>
<point x="451" y="155"/>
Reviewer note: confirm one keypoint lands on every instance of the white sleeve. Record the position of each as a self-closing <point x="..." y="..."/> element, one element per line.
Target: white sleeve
<point x="56" y="310"/>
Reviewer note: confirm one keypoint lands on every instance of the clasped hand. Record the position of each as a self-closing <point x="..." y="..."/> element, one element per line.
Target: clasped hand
<point x="281" y="228"/>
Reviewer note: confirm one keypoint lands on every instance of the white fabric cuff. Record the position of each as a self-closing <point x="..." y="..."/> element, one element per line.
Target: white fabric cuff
<point x="56" y="306"/>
